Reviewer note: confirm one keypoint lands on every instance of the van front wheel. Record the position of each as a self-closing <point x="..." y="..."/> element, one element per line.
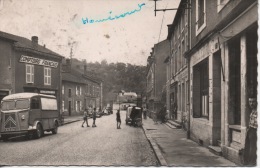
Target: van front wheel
<point x="55" y="129"/>
<point x="39" y="131"/>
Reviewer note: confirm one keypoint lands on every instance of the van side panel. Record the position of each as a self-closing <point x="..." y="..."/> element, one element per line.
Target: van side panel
<point x="35" y="114"/>
<point x="48" y="116"/>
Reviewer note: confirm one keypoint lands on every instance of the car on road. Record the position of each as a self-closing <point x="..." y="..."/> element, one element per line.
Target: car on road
<point x="138" y="115"/>
<point x="29" y="114"/>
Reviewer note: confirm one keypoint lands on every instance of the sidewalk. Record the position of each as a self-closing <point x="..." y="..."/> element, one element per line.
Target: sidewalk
<point x="172" y="148"/>
<point x="71" y="119"/>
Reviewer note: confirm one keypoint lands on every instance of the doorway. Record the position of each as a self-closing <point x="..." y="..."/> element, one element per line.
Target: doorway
<point x="69" y="108"/>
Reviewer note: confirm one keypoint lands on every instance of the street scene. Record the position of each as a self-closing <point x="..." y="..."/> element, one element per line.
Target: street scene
<point x="129" y="83"/>
<point x="103" y="145"/>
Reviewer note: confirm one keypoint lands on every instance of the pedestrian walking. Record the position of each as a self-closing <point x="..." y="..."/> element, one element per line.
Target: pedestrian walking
<point x="145" y="112"/>
<point x="118" y="119"/>
<point x="94" y="117"/>
<point x="155" y="117"/>
<point x="85" y="118"/>
<point x="249" y="155"/>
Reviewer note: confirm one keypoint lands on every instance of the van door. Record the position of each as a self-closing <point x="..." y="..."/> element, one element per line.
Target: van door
<point x="35" y="111"/>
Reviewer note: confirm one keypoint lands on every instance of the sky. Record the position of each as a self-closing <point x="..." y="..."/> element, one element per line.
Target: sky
<point x="58" y="24"/>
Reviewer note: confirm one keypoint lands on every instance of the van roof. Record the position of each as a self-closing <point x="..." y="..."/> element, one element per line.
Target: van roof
<point x="25" y="96"/>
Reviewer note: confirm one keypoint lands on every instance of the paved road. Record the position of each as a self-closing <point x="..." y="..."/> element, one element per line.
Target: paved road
<point x="74" y="145"/>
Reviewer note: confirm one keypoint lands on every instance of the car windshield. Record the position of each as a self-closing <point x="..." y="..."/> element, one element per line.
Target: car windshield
<point x="15" y="104"/>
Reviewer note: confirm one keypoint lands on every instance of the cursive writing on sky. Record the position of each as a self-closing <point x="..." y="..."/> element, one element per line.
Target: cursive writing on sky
<point x="85" y="21"/>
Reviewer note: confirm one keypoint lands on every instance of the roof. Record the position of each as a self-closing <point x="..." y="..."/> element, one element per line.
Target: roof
<point x="130" y="94"/>
<point x="177" y="17"/>
<point x="25" y="96"/>
<point x="22" y="42"/>
<point x="73" y="76"/>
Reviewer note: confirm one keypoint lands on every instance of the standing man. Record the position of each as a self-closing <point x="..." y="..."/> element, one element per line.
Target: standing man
<point x="94" y="117"/>
<point x="249" y="154"/>
<point x="118" y="119"/>
<point x="144" y="112"/>
<point x="85" y="118"/>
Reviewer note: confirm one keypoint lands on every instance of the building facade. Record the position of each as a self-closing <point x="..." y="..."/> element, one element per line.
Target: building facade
<point x="177" y="65"/>
<point x="80" y="91"/>
<point x="223" y="63"/>
<point x="155" y="77"/>
<point x="27" y="66"/>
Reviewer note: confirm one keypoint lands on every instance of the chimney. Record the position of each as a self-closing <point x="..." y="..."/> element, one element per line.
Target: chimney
<point x="85" y="67"/>
<point x="34" y="41"/>
<point x="169" y="29"/>
<point x="68" y="65"/>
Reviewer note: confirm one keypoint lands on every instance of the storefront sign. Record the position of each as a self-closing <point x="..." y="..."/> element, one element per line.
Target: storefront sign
<point x="38" y="61"/>
<point x="50" y="92"/>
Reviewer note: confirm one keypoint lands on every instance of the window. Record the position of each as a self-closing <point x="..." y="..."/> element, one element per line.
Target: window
<point x="221" y="4"/>
<point x="179" y="97"/>
<point x="49" y="104"/>
<point x="69" y="92"/>
<point x="87" y="90"/>
<point x="29" y="73"/>
<point x="201" y="90"/>
<point x="78" y="105"/>
<point x="35" y="103"/>
<point x="200" y="15"/>
<point x="63" y="108"/>
<point x="182" y="97"/>
<point x="78" y="90"/>
<point x="183" y="21"/>
<point x="62" y="89"/>
<point x="47" y="76"/>
<point x="182" y="52"/>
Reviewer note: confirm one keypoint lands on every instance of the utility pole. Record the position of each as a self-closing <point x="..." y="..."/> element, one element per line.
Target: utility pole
<point x="155" y="9"/>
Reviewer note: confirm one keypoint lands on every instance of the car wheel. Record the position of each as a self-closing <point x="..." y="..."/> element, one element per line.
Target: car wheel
<point x="39" y="131"/>
<point x="55" y="129"/>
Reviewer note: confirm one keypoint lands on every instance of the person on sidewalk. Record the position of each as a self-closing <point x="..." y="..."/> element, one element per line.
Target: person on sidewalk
<point x="249" y="154"/>
<point x="94" y="117"/>
<point x="118" y="119"/>
<point x="145" y="112"/>
<point x="85" y="118"/>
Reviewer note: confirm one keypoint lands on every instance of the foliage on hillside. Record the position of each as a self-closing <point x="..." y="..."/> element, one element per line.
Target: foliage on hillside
<point x="116" y="77"/>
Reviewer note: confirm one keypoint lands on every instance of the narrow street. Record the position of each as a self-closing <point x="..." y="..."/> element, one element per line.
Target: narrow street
<point x="74" y="145"/>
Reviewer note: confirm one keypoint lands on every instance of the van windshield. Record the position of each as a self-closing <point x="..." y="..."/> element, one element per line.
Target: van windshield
<point x="15" y="104"/>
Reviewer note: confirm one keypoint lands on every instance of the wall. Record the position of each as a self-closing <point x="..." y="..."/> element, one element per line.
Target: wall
<point x="6" y="65"/>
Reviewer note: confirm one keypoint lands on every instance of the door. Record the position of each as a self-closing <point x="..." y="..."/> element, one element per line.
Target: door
<point x="69" y="108"/>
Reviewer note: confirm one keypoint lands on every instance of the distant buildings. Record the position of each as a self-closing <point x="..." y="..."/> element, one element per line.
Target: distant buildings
<point x="80" y="91"/>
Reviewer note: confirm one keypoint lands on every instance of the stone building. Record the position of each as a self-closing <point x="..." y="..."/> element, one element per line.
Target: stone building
<point x="26" y="66"/>
<point x="177" y="84"/>
<point x="79" y="90"/>
<point x="223" y="63"/>
<point x="155" y="77"/>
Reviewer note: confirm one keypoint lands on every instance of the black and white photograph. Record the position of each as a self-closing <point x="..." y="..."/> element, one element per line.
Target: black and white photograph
<point x="129" y="83"/>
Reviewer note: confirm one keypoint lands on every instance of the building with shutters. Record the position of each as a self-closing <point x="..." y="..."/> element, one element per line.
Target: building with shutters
<point x="79" y="90"/>
<point x="26" y="66"/>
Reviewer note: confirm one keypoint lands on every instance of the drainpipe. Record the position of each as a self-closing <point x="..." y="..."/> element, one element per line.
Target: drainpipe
<point x="188" y="60"/>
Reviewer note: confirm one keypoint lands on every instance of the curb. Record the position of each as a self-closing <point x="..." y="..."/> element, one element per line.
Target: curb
<point x="69" y="122"/>
<point x="156" y="149"/>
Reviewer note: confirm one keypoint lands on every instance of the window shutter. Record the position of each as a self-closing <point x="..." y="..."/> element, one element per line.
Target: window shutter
<point x="32" y="73"/>
<point x="80" y="105"/>
<point x="76" y="104"/>
<point x="80" y="90"/>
